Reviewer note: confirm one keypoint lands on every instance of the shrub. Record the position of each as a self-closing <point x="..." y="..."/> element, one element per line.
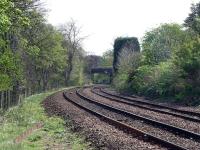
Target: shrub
<point x="128" y="63"/>
<point x="187" y="59"/>
<point x="128" y="43"/>
<point x="156" y="81"/>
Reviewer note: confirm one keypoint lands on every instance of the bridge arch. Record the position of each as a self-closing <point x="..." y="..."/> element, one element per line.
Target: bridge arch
<point x="102" y="70"/>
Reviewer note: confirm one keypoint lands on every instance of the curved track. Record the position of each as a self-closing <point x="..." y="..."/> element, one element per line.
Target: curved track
<point x="136" y="100"/>
<point x="132" y="102"/>
<point x="127" y="127"/>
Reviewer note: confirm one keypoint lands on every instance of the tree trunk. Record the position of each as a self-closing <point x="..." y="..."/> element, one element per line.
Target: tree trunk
<point x="16" y="93"/>
<point x="68" y="70"/>
<point x="45" y="80"/>
<point x="2" y="99"/>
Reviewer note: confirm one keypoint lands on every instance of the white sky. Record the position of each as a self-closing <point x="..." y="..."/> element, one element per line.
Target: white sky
<point x="104" y="20"/>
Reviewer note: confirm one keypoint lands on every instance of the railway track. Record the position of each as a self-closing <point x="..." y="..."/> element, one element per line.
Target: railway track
<point x="123" y="100"/>
<point x="120" y="124"/>
<point x="195" y="115"/>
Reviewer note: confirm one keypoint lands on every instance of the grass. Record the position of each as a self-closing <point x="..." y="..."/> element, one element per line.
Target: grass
<point x="53" y="135"/>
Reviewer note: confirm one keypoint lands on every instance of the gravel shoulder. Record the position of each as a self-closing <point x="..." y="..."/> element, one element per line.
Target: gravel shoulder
<point x="100" y="134"/>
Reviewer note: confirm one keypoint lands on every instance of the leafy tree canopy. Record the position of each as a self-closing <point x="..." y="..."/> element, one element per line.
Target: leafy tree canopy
<point x="193" y="20"/>
<point x="158" y="44"/>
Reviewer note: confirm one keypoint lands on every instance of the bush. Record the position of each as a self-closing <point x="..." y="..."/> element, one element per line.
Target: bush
<point x="157" y="81"/>
<point x="120" y="82"/>
<point x="187" y="59"/>
<point x="128" y="63"/>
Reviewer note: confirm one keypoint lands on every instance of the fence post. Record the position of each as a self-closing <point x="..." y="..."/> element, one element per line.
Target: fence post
<point x="25" y="93"/>
<point x="4" y="102"/>
<point x="1" y="99"/>
<point x="9" y="98"/>
<point x="6" y="99"/>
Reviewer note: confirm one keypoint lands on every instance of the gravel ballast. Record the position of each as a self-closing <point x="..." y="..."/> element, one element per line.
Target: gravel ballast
<point x="172" y="120"/>
<point x="100" y="134"/>
<point x="189" y="143"/>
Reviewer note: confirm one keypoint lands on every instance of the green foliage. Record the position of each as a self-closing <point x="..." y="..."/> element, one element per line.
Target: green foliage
<point x="157" y="81"/>
<point x="187" y="58"/>
<point x="130" y="43"/>
<point x="170" y="66"/>
<point x="51" y="52"/>
<point x="13" y="19"/>
<point x="33" y="54"/>
<point x="19" y="119"/>
<point x="159" y="43"/>
<point x="5" y="22"/>
<point x="9" y="69"/>
<point x="128" y="63"/>
<point x="101" y="78"/>
<point x="107" y="59"/>
<point x="120" y="82"/>
<point x="79" y="77"/>
<point x="193" y="20"/>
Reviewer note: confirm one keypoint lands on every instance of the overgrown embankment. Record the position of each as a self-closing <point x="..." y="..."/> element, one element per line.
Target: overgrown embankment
<point x="53" y="134"/>
<point x="168" y="67"/>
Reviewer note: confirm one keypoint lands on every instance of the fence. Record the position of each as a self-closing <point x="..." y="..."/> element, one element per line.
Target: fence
<point x="10" y="98"/>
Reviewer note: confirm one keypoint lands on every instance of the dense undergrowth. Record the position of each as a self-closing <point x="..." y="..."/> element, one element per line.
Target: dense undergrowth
<point x="53" y="135"/>
<point x="168" y="67"/>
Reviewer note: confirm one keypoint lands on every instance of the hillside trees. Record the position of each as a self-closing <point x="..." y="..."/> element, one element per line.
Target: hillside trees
<point x="187" y="59"/>
<point x="78" y="74"/>
<point x="159" y="43"/>
<point x="5" y="22"/>
<point x="34" y="55"/>
<point x="50" y="59"/>
<point x="5" y="54"/>
<point x="169" y="65"/>
<point x="72" y="43"/>
<point x="193" y="19"/>
<point x="13" y="19"/>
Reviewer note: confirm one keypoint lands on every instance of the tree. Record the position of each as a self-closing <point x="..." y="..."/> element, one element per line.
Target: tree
<point x="10" y="17"/>
<point x="5" y="22"/>
<point x="91" y="61"/>
<point x="107" y="59"/>
<point x="187" y="59"/>
<point x="130" y="43"/>
<point x="128" y="62"/>
<point x="72" y="43"/>
<point x="51" y="58"/>
<point x="193" y="20"/>
<point x="158" y="44"/>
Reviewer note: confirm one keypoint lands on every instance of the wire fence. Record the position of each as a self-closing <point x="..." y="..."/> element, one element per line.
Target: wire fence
<point x="10" y="98"/>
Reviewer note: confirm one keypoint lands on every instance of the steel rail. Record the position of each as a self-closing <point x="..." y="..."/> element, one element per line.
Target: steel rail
<point x="131" y="103"/>
<point x="152" y="104"/>
<point x="126" y="128"/>
<point x="182" y="132"/>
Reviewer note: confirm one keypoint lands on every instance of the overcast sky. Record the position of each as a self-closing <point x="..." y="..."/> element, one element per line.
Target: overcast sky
<point x="104" y="20"/>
